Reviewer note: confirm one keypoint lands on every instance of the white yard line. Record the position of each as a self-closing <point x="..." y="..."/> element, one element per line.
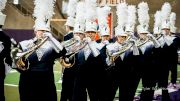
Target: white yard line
<point x="12" y="85"/>
<point x="14" y="71"/>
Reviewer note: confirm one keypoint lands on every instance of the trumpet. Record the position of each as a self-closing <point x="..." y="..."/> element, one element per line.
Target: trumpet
<point x="114" y="56"/>
<point x="141" y="42"/>
<point x="158" y="36"/>
<point x="21" y="58"/>
<point x="70" y="42"/>
<point x="69" y="60"/>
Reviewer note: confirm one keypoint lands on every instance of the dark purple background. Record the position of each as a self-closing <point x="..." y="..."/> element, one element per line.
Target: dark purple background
<point x="19" y="34"/>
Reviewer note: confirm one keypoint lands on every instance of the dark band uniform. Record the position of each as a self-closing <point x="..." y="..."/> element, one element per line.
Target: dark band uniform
<point x="120" y="73"/>
<point x="37" y="83"/>
<point x="160" y="62"/>
<point x="5" y="48"/>
<point x="147" y="67"/>
<point x="90" y="75"/>
<point x="68" y="77"/>
<point x="68" y="36"/>
<point x="173" y="56"/>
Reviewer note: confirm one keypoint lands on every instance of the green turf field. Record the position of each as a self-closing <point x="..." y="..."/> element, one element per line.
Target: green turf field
<point x="12" y="79"/>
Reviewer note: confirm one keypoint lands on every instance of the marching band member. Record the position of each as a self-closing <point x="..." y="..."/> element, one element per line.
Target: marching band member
<point x="104" y="32"/>
<point x="5" y="48"/>
<point x="160" y="53"/>
<point x="37" y="82"/>
<point x="68" y="73"/>
<point x="147" y="43"/>
<point x="121" y="67"/>
<point x="91" y="70"/>
<point x="173" y="48"/>
<point x="71" y="11"/>
<point x="104" y="29"/>
<point x="131" y="60"/>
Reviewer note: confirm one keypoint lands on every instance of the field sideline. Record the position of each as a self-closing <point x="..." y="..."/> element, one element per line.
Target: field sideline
<point x="12" y="79"/>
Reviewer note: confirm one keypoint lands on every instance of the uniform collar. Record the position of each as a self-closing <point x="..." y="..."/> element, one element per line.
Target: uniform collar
<point x="1" y="29"/>
<point x="69" y="32"/>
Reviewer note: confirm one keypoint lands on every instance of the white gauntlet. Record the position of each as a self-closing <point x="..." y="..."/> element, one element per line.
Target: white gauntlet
<point x="92" y="46"/>
<point x="56" y="44"/>
<point x="153" y="39"/>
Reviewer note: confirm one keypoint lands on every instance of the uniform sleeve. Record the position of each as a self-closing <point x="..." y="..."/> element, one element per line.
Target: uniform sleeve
<point x="8" y="58"/>
<point x="63" y="52"/>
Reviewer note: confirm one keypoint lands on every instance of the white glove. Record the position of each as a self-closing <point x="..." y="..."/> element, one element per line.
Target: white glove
<point x="92" y="46"/>
<point x="105" y="42"/>
<point x="153" y="39"/>
<point x="87" y="39"/>
<point x="55" y="44"/>
<point x="13" y="41"/>
<point x="77" y="38"/>
<point x="150" y="36"/>
<point x="47" y="34"/>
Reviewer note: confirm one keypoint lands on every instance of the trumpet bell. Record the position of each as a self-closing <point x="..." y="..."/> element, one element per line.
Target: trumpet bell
<point x="22" y="64"/>
<point x="66" y="62"/>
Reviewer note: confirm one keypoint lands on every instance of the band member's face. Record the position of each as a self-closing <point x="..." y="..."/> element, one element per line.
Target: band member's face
<point x="81" y="35"/>
<point x="39" y="33"/>
<point x="166" y="31"/>
<point x="105" y="37"/>
<point x="91" y="34"/>
<point x="143" y="35"/>
<point x="121" y="39"/>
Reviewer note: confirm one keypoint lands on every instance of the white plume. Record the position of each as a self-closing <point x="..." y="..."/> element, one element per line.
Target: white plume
<point x="143" y="15"/>
<point x="80" y="13"/>
<point x="39" y="10"/>
<point x="121" y="14"/>
<point x="172" y="18"/>
<point x="157" y="22"/>
<point x="50" y="4"/>
<point x="157" y="19"/>
<point x="2" y="5"/>
<point x="91" y="10"/>
<point x="103" y="15"/>
<point x="165" y="11"/>
<point x="71" y="8"/>
<point x="44" y="9"/>
<point x="131" y="15"/>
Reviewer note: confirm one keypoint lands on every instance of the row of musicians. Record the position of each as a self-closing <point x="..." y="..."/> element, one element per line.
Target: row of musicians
<point x="94" y="71"/>
<point x="121" y="64"/>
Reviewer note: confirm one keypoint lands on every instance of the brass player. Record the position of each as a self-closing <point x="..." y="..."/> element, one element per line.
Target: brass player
<point x="37" y="77"/>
